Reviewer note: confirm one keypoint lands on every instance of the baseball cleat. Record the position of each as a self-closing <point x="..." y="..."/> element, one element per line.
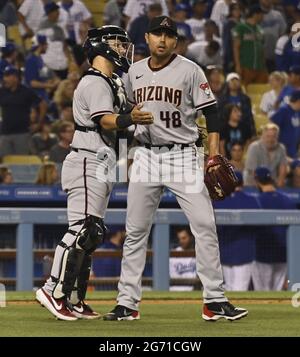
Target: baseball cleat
<point x="83" y="311"/>
<point x="120" y="313"/>
<point x="60" y="308"/>
<point x="218" y="310"/>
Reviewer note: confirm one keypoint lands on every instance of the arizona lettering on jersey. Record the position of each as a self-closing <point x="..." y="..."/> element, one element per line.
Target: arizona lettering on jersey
<point x="159" y="93"/>
<point x="174" y="94"/>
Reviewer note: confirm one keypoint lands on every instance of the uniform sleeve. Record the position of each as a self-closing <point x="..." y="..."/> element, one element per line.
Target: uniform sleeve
<point x="85" y="12"/>
<point x="201" y="93"/>
<point x="99" y="98"/>
<point x="24" y="9"/>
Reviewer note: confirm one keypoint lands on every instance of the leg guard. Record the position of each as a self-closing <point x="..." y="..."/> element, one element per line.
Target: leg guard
<point x="75" y="263"/>
<point x="91" y="234"/>
<point x="70" y="267"/>
<point x="83" y="278"/>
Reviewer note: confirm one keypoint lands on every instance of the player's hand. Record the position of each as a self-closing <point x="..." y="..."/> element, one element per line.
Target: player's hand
<point x="140" y="117"/>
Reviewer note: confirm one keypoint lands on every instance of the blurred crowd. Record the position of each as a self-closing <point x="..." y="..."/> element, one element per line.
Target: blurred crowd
<point x="241" y="45"/>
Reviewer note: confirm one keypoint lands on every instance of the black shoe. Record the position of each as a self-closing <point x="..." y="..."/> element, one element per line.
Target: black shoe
<point x="217" y="310"/>
<point x="120" y="313"/>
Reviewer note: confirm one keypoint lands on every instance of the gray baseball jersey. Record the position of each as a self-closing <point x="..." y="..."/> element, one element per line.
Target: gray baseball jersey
<point x="174" y="94"/>
<point x="96" y="95"/>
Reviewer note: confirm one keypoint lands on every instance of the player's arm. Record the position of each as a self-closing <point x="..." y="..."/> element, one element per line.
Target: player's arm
<point x="213" y="124"/>
<point x="123" y="121"/>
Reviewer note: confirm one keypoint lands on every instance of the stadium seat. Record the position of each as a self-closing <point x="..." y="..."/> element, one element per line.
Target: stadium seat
<point x="257" y="89"/>
<point x="24" y="173"/>
<point x="21" y="159"/>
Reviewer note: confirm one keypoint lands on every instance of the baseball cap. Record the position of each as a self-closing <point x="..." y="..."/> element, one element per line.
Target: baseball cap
<point x="8" y="49"/>
<point x="50" y="7"/>
<point x="9" y="70"/>
<point x="231" y="76"/>
<point x="294" y="69"/>
<point x="295" y="163"/>
<point x="254" y="9"/>
<point x="181" y="7"/>
<point x="38" y="40"/>
<point x="163" y="23"/>
<point x="262" y="173"/>
<point x="295" y="96"/>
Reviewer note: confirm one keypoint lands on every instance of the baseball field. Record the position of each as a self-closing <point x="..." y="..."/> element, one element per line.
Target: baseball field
<point x="162" y="314"/>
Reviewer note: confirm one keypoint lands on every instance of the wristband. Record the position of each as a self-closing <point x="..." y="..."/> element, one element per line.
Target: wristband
<point x="123" y="121"/>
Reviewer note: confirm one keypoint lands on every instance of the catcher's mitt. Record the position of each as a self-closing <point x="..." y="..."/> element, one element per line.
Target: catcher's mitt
<point x="221" y="180"/>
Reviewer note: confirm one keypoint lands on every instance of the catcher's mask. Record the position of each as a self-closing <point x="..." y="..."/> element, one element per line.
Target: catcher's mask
<point x="111" y="42"/>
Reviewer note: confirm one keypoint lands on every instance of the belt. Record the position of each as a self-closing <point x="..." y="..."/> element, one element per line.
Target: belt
<point x="169" y="146"/>
<point x="86" y="129"/>
<point x="79" y="149"/>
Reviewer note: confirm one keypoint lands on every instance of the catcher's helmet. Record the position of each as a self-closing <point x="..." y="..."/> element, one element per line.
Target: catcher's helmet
<point x="111" y="42"/>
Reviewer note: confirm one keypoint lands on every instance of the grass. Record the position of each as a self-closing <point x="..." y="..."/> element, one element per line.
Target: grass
<point x="266" y="318"/>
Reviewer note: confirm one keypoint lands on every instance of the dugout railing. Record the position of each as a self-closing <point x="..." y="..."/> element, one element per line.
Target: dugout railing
<point x="26" y="218"/>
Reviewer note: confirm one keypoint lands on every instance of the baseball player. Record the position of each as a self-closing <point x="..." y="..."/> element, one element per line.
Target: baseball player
<point x="99" y="110"/>
<point x="174" y="89"/>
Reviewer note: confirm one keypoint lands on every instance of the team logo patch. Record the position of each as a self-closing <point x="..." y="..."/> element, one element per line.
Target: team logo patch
<point x="165" y="22"/>
<point x="205" y="88"/>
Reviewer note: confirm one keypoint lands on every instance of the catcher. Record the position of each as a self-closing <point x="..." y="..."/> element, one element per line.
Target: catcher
<point x="174" y="89"/>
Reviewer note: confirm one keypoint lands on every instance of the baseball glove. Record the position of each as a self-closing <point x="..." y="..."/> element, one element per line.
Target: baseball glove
<point x="219" y="178"/>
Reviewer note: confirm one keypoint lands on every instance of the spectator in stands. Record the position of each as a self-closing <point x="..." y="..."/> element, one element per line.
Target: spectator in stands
<point x="237" y="243"/>
<point x="16" y="101"/>
<point x="220" y="11"/>
<point x="185" y="267"/>
<point x="9" y="57"/>
<point x="233" y="18"/>
<point x="295" y="171"/>
<point x="65" y="90"/>
<point x="180" y="17"/>
<point x="233" y="130"/>
<point x="30" y="14"/>
<point x="274" y="26"/>
<point x="237" y="156"/>
<point x="233" y="94"/>
<point x="6" y="177"/>
<point x="108" y="267"/>
<point x="37" y="74"/>
<point x="215" y="79"/>
<point x="139" y="26"/>
<point x="207" y="55"/>
<point x="66" y="115"/>
<point x="182" y="46"/>
<point x="293" y="84"/>
<point x="59" y="151"/>
<point x="268" y="104"/>
<point x="8" y="13"/>
<point x="210" y="33"/>
<point x="73" y="14"/>
<point x="269" y="270"/>
<point x="248" y="48"/>
<point x="287" y="117"/>
<point x="112" y="14"/>
<point x="56" y="57"/>
<point x="287" y="55"/>
<point x="47" y="174"/>
<point x="197" y="21"/>
<point x="267" y="151"/>
<point x="43" y="141"/>
<point x="136" y="8"/>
